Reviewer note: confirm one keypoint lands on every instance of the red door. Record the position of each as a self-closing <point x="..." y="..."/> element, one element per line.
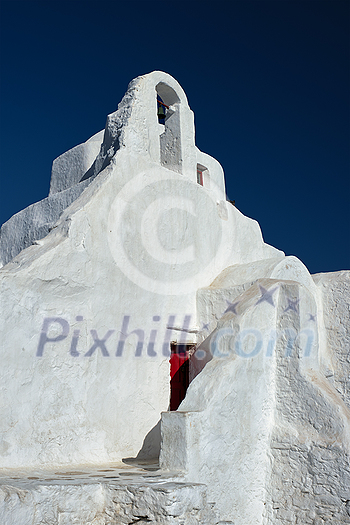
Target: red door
<point x="179" y="372"/>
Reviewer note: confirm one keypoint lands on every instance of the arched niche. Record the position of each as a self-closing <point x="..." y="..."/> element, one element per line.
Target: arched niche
<point x="170" y="138"/>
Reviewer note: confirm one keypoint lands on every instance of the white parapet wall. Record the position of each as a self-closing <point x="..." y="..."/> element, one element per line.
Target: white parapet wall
<point x="261" y="424"/>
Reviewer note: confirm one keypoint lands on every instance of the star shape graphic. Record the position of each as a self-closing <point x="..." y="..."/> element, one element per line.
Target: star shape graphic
<point x="312" y="318"/>
<point x="266" y="295"/>
<point x="292" y="305"/>
<point x="205" y="326"/>
<point x="231" y="307"/>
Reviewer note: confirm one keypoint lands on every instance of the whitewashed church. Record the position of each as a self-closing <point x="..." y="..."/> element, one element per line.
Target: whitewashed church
<point x="159" y="362"/>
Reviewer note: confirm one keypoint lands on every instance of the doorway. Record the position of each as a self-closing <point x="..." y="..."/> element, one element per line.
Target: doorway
<point x="179" y="371"/>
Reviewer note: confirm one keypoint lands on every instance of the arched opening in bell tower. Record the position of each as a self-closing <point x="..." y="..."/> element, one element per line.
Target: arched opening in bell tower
<point x="168" y="112"/>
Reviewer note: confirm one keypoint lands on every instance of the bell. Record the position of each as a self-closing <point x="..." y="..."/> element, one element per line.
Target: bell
<point x="161" y="112"/>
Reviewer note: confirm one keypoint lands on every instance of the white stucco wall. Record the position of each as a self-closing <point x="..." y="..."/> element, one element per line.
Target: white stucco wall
<point x="127" y="255"/>
<point x="71" y="167"/>
<point x="262" y="423"/>
<point x="142" y="257"/>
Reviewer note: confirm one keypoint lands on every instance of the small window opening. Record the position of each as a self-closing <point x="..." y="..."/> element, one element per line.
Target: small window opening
<point x="179" y="372"/>
<point x="202" y="175"/>
<point x="199" y="176"/>
<point x="161" y="110"/>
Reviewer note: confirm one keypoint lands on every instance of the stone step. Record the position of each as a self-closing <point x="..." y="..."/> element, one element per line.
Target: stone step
<point x="108" y="497"/>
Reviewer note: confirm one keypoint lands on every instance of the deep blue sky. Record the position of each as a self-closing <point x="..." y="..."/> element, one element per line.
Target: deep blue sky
<point x="268" y="82"/>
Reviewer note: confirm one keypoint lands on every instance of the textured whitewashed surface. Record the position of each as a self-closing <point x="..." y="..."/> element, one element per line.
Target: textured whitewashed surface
<point x="105" y="502"/>
<point x="75" y="401"/>
<point x="128" y="254"/>
<point x="273" y="427"/>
